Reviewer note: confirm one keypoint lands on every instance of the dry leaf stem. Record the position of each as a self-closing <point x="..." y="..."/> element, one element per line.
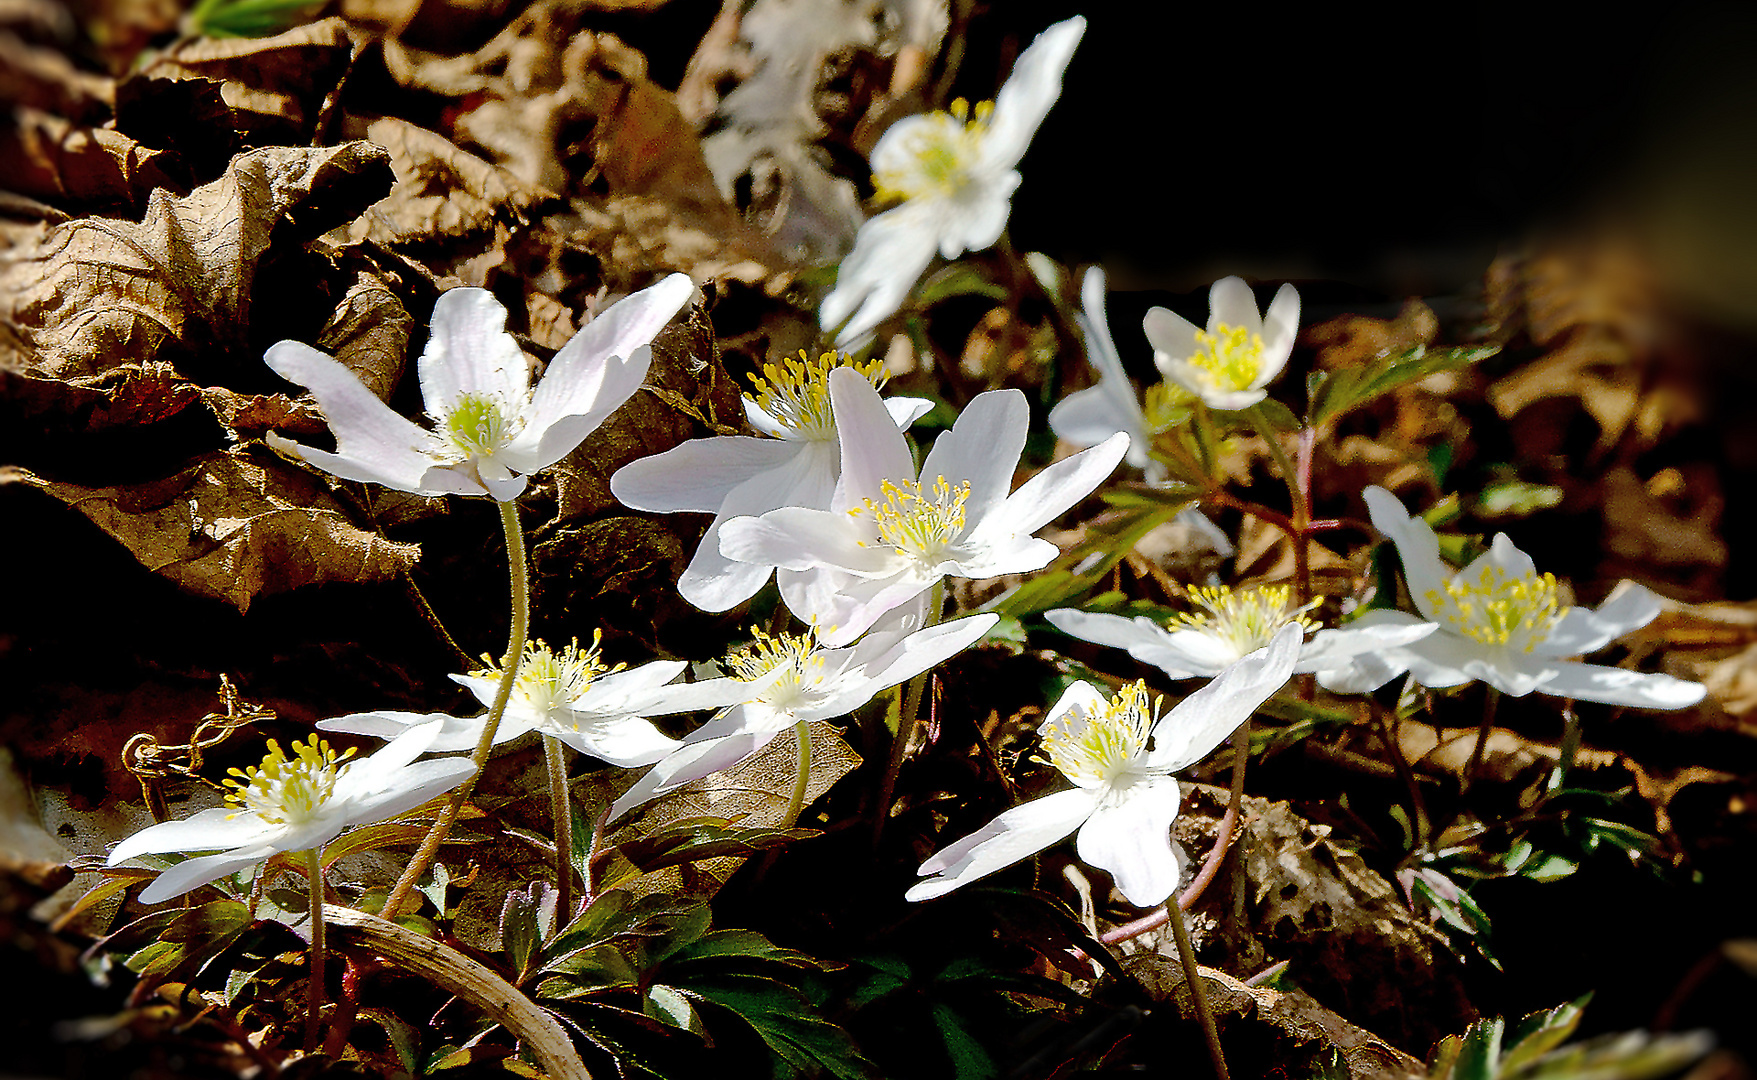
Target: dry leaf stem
<point x="1193" y="976"/>
<point x="519" y="580"/>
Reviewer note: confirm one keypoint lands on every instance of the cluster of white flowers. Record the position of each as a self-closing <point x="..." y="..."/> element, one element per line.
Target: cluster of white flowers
<point x="828" y="499"/>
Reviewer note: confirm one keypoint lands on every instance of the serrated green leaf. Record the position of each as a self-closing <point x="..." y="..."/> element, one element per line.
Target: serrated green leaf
<point x="404" y="1038"/>
<point x="523" y="927"/>
<point x="595" y="968"/>
<point x="1542" y="1032"/>
<point x="694" y="839"/>
<point x="1352" y="387"/>
<point x="1479" y="1057"/>
<point x="669" y="1005"/>
<point x="788" y="1024"/>
<point x="958" y="279"/>
<point x="1076" y="573"/>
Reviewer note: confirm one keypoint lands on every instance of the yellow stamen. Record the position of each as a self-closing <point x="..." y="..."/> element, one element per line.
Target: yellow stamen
<point x="1166" y="405"/>
<point x="797" y="652"/>
<point x="548" y="680"/>
<point x="287" y="790"/>
<point x="942" y="148"/>
<point x="478" y="425"/>
<point x="1496" y="609"/>
<point x="1093" y="749"/>
<point x="1230" y="358"/>
<point x="916" y="523"/>
<point x="1245" y="620"/>
<point x="796" y="392"/>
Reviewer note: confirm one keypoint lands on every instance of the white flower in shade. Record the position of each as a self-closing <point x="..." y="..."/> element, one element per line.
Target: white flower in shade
<point x="890" y="535"/>
<point x="814" y="683"/>
<point x="297" y="803"/>
<point x="1088" y="417"/>
<point x="490" y="430"/>
<point x="1228" y="626"/>
<point x="955" y="174"/>
<point x="1502" y="623"/>
<point x="571" y="695"/>
<point x="733" y="475"/>
<point x="1121" y="762"/>
<point x="1228" y="364"/>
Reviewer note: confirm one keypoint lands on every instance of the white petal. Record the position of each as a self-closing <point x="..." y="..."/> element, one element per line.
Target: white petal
<point x="1232" y="303"/>
<point x="890" y="252"/>
<point x="1144" y="639"/>
<point x="1132" y="841"/>
<point x="1440" y="660"/>
<point x="1417" y="547"/>
<point x="373" y="443"/>
<point x="1363" y="674"/>
<point x="859" y="603"/>
<point x="983" y="448"/>
<point x="1202" y="721"/>
<point x="873" y="451"/>
<point x="626" y="741"/>
<point x="1049" y="494"/>
<point x="1095" y="324"/>
<point x="1088" y="417"/>
<point x="688" y="763"/>
<point x="191" y="873"/>
<point x="1281" y="325"/>
<point x="975" y="220"/>
<point x="630" y="689"/>
<point x="696" y="476"/>
<point x="902" y="660"/>
<point x="1629" y="607"/>
<point x="1616" y="686"/>
<point x="1335" y="648"/>
<point x="799" y="539"/>
<point x="1025" y="98"/>
<point x="715" y="582"/>
<point x="1024" y="830"/>
<point x="1501" y="555"/>
<point x="1172" y="336"/>
<point x="218" y="829"/>
<point x="470" y="352"/>
<point x="453" y="733"/>
<point x="1513" y="674"/>
<point x="411" y="786"/>
<point x="906" y="410"/>
<point x="570" y="404"/>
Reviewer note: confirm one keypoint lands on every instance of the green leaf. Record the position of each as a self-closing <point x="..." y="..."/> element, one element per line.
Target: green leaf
<point x="692" y="840"/>
<point x="1516" y="498"/>
<point x="1352" y="387"/>
<point x="1542" y="1032"/>
<point x="668" y="1005"/>
<point x="801" y="1040"/>
<point x="404" y="1038"/>
<point x="250" y="18"/>
<point x="1480" y="1056"/>
<point x="524" y="922"/>
<point x="595" y="968"/>
<point x="1633" y="1055"/>
<point x="1076" y="573"/>
<point x="969" y="1060"/>
<point x="958" y="279"/>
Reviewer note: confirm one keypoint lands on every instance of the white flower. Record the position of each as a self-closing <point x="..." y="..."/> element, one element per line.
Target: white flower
<point x="488" y="423"/>
<point x="955" y="174"/>
<point x="1230" y="626"/>
<point x="889" y="536"/>
<point x="1121" y="762"/>
<point x="1088" y="417"/>
<point x="293" y="804"/>
<point x="1500" y="622"/>
<point x="815" y="683"/>
<point x="733" y="475"/>
<point x="570" y="695"/>
<point x="1227" y="365"/>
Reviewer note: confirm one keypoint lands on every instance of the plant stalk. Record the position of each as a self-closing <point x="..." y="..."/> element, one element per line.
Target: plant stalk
<point x="520" y="588"/>
<point x="1491" y="697"/>
<point x="314" y="982"/>
<point x="1193" y="975"/>
<point x="561" y="811"/>
<point x="801" y="775"/>
<point x="906" y="719"/>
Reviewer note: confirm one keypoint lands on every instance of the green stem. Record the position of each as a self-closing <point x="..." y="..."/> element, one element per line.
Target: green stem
<point x="1491" y="698"/>
<point x="1202" y="427"/>
<point x="1193" y="975"/>
<point x="801" y="775"/>
<point x="1298" y="500"/>
<point x="1385" y="722"/>
<point x="1570" y="747"/>
<point x="561" y="811"/>
<point x="314" y="988"/>
<point x="515" y="650"/>
<point x="906" y="719"/>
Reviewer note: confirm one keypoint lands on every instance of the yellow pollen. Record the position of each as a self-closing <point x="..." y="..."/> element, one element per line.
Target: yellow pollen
<point x="796" y="392"/>
<point x="1166" y="405"/>
<point x="1518" y="612"/>
<point x="942" y="147"/>
<point x="1229" y="358"/>
<point x="478" y="425"/>
<point x="766" y="652"/>
<point x="287" y="790"/>
<point x="548" y="680"/>
<point x="1245" y="620"/>
<point x="1102" y="748"/>
<point x="916" y="523"/>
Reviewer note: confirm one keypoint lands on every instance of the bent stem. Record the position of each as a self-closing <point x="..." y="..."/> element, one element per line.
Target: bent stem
<point x="515" y="651"/>
<point x="1417" y="807"/>
<point x="561" y="812"/>
<point x="1193" y="975"/>
<point x="906" y="719"/>
<point x="1491" y="698"/>
<point x="314" y="976"/>
<point x="801" y="775"/>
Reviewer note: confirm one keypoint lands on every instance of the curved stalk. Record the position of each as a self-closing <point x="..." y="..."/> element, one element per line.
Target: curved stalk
<point x="1193" y="975"/>
<point x="801" y="775"/>
<point x="314" y="988"/>
<point x="561" y="813"/>
<point x="520" y="588"/>
<point x="1491" y="698"/>
<point x="906" y="718"/>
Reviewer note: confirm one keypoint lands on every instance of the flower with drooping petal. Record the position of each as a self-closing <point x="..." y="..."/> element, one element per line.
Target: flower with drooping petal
<point x="1121" y="762"/>
<point x="797" y="464"/>
<point x="1231" y="624"/>
<point x="570" y="695"/>
<point x="1230" y="363"/>
<point x="955" y="175"/>
<point x="891" y="535"/>
<point x="815" y="683"/>
<point x="1502" y="623"/>
<point x="297" y="803"/>
<point x="490" y="431"/>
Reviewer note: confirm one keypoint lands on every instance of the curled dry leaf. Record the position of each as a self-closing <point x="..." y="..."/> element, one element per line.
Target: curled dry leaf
<point x="81" y="169"/>
<point x="441" y="191"/>
<point x="43" y="78"/>
<point x="96" y="293"/>
<point x="275" y="86"/>
<point x="232" y="527"/>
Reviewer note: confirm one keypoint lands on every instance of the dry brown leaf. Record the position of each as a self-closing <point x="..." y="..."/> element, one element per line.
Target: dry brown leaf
<point x="87" y="169"/>
<point x="369" y="335"/>
<point x="232" y="527"/>
<point x="273" y="85"/>
<point x="42" y="78"/>
<point x="96" y="293"/>
<point x="442" y="192"/>
<point x="1644" y="530"/>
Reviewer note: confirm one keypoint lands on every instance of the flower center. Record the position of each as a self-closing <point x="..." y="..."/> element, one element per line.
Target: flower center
<point x="478" y="425"/>
<point x="940" y="148"/>
<point x="1166" y="405"/>
<point x="1094" y="750"/>
<point x="550" y="680"/>
<point x="796" y="392"/>
<point x="798" y="653"/>
<point x="920" y="524"/>
<point x="1245" y="620"/>
<point x="287" y="791"/>
<point x="1496" y="609"/>
<point x="1229" y="358"/>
